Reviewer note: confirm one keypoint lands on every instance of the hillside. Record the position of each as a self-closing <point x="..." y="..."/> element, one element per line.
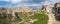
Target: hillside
<point x="22" y="15"/>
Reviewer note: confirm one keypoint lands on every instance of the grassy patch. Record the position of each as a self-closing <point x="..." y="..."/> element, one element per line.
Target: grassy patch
<point x="42" y="18"/>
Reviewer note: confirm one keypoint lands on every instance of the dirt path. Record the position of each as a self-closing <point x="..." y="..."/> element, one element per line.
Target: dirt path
<point x="52" y="19"/>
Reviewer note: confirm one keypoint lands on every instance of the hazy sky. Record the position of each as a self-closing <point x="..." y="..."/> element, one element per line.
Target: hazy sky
<point x="21" y="3"/>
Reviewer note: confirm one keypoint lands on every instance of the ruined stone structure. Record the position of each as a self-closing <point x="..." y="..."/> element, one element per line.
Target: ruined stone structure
<point x="57" y="11"/>
<point x="53" y="12"/>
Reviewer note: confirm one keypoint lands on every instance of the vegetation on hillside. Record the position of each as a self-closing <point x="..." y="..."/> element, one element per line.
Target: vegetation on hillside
<point x="41" y="18"/>
<point x="23" y="16"/>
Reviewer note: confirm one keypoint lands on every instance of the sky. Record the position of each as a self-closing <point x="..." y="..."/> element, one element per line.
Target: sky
<point x="26" y="3"/>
